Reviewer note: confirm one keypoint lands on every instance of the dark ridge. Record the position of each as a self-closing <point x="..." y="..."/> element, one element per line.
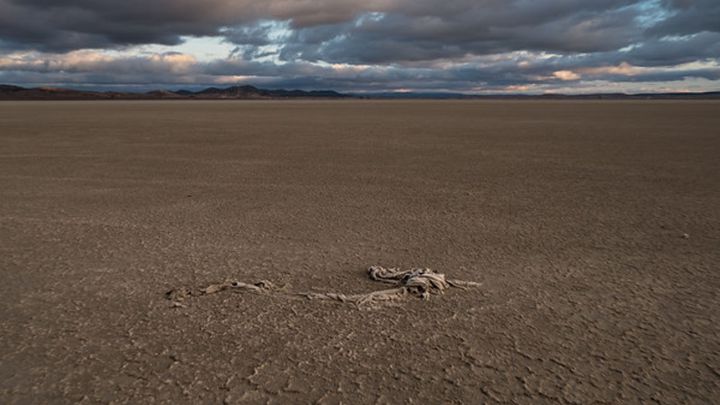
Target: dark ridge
<point x="10" y="92"/>
<point x="252" y="92"/>
<point x="247" y="92"/>
<point x="9" y="88"/>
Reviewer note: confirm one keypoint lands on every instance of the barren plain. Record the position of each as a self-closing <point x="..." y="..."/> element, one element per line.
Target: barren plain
<point x="594" y="228"/>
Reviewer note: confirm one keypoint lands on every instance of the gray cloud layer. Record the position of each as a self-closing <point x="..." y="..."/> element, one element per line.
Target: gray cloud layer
<point x="458" y="44"/>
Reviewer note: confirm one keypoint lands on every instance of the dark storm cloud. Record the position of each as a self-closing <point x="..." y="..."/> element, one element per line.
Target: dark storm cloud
<point x="69" y="25"/>
<point x="62" y="25"/>
<point x="371" y="44"/>
<point x="481" y="25"/>
<point x="689" y="17"/>
<point x="379" y="31"/>
<point x="418" y="32"/>
<point x="674" y="51"/>
<point x="654" y="52"/>
<point x="401" y="38"/>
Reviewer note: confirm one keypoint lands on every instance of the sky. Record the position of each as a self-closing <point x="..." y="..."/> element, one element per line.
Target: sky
<point x="468" y="46"/>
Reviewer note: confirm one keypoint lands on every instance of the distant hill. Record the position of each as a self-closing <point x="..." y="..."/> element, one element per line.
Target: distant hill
<point x="251" y="92"/>
<point x="10" y="92"/>
<point x="549" y="96"/>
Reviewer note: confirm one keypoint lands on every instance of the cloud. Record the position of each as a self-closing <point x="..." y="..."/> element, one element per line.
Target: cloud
<point x="63" y="25"/>
<point x="566" y="75"/>
<point x="465" y="45"/>
<point x="480" y="28"/>
<point x="488" y="73"/>
<point x="689" y="17"/>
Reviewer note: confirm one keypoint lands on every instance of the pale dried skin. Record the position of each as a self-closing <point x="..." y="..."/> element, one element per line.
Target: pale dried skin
<point x="369" y="300"/>
<point x="419" y="282"/>
<point x="214" y="288"/>
<point x="260" y="286"/>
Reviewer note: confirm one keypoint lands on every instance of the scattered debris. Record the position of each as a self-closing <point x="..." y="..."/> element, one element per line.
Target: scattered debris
<point x="419" y="282"/>
<point x="260" y="286"/>
<point x="362" y="300"/>
<point x="178" y="294"/>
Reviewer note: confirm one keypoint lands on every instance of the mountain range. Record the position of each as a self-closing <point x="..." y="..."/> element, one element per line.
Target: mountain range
<point x="11" y="92"/>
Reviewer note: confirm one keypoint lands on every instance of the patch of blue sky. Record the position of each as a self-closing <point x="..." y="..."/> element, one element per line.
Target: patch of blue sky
<point x="279" y="30"/>
<point x="202" y="48"/>
<point x="270" y="34"/>
<point x="651" y="12"/>
<point x="373" y="16"/>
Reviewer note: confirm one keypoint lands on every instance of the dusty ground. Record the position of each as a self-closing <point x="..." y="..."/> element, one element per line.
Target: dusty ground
<point x="594" y="226"/>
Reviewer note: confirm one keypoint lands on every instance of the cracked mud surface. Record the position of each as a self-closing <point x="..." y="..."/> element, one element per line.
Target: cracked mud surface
<point x="593" y="226"/>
